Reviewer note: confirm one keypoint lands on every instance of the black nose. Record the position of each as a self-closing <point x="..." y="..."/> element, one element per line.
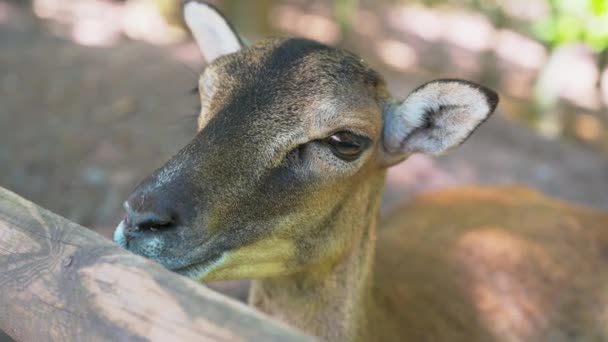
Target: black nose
<point x="146" y="213"/>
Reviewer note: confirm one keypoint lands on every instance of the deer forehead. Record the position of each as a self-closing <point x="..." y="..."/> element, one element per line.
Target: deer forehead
<point x="292" y="89"/>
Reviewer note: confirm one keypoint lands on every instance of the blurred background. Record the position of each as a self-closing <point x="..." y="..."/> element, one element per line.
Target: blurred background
<point x="95" y="94"/>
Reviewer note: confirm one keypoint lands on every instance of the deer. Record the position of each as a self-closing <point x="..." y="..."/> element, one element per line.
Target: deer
<point x="283" y="183"/>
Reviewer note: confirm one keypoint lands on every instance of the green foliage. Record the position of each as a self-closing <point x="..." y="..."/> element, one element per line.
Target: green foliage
<point x="568" y="21"/>
<point x="344" y="10"/>
<point x="575" y="20"/>
<point x="583" y="21"/>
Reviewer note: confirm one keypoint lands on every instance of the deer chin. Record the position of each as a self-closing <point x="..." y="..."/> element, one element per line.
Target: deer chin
<point x="200" y="269"/>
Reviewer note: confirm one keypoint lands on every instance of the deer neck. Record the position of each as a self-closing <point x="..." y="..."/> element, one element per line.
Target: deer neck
<point x="331" y="302"/>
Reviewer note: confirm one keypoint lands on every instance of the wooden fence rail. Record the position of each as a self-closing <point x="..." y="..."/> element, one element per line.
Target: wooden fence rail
<point x="62" y="282"/>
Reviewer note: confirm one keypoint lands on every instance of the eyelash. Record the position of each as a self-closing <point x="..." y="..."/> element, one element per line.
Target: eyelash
<point x="296" y="155"/>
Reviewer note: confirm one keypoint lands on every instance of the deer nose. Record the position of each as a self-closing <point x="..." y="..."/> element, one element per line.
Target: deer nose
<point x="146" y="215"/>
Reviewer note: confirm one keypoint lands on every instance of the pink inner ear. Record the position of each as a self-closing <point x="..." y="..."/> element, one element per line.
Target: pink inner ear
<point x="212" y="32"/>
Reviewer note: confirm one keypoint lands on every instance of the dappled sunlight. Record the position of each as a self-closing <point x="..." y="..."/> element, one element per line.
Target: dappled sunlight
<point x="526" y="9"/>
<point x="580" y="76"/>
<point x="511" y="195"/>
<point x="397" y="54"/>
<point x="571" y="74"/>
<point x="6" y="10"/>
<point x="463" y="64"/>
<point x="366" y="23"/>
<point x="318" y="27"/>
<point x="420" y="21"/>
<point x="419" y="170"/>
<point x="505" y="295"/>
<point x="588" y="127"/>
<point x="93" y="23"/>
<point x="492" y="42"/>
<point x="104" y="22"/>
<point x="469" y="31"/>
<point x="462" y="29"/>
<point x="551" y="124"/>
<point x="309" y="25"/>
<point x="142" y="21"/>
<point x="90" y="22"/>
<point x="518" y="84"/>
<point x="604" y="89"/>
<point x="188" y="53"/>
<point x="419" y="173"/>
<point x="519" y="49"/>
<point x="47" y="9"/>
<point x="93" y="104"/>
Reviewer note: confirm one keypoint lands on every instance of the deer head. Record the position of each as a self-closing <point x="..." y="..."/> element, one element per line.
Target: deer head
<point x="294" y="139"/>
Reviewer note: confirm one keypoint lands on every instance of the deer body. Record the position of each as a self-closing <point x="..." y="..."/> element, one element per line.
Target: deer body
<point x="514" y="266"/>
<point x="487" y="264"/>
<point x="283" y="185"/>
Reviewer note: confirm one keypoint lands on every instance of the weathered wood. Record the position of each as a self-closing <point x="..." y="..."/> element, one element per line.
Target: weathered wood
<point x="62" y="282"/>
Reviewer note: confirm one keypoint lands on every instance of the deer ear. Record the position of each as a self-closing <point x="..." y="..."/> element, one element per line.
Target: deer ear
<point x="213" y="33"/>
<point x="435" y="117"/>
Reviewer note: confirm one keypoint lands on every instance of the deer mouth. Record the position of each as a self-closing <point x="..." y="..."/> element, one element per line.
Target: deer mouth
<point x="200" y="268"/>
<point x="154" y="246"/>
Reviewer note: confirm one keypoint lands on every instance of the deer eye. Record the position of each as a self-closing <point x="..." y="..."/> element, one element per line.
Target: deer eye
<point x="346" y="145"/>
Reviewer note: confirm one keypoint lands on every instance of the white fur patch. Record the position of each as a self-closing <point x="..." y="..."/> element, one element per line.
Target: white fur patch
<point x="212" y="33"/>
<point x="119" y="235"/>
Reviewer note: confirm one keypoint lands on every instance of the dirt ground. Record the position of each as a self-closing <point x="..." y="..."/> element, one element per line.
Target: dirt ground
<point x="79" y="126"/>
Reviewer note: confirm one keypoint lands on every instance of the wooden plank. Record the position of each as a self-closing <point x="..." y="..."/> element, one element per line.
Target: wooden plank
<point x="62" y="282"/>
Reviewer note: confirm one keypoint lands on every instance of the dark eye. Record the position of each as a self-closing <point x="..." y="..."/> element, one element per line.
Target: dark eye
<point x="346" y="145"/>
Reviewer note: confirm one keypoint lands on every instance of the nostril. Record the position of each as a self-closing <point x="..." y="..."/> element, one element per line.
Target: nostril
<point x="149" y="221"/>
<point x="149" y="211"/>
<point x="155" y="223"/>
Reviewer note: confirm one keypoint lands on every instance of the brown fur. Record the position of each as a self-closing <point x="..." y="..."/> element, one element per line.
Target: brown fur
<point x="470" y="264"/>
<point x="492" y="264"/>
<point x="258" y="194"/>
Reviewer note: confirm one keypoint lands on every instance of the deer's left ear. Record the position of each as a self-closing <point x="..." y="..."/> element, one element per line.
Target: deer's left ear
<point x="435" y="117"/>
<point x="213" y="33"/>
